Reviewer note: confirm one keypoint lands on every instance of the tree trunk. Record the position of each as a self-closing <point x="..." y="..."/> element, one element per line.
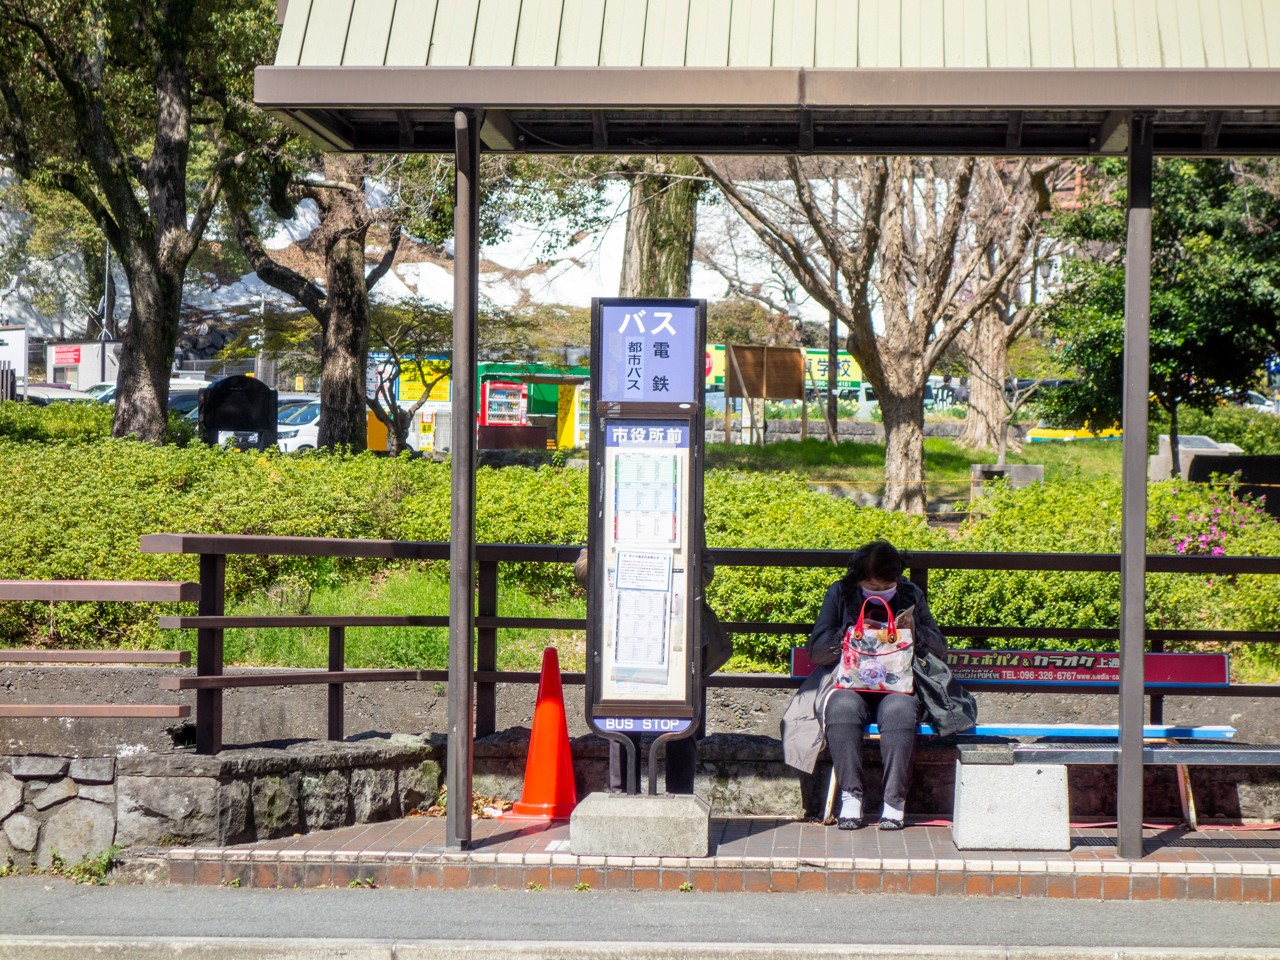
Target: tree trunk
<point x="1175" y="459"/>
<point x="146" y="356"/>
<point x="345" y="347"/>
<point x="903" y="449"/>
<point x="661" y="221"/>
<point x="986" y="348"/>
<point x="345" y="325"/>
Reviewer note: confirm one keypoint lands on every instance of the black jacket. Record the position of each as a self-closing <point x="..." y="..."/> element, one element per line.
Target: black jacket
<point x="840" y="609"/>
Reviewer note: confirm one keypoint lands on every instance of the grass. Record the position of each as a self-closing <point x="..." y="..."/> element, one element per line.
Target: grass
<point x="407" y="592"/>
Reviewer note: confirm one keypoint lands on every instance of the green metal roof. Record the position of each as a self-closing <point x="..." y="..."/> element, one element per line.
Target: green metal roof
<point x="991" y="77"/>
<point x="917" y="34"/>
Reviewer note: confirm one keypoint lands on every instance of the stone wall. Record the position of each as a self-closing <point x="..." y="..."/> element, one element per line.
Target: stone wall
<point x="80" y="806"/>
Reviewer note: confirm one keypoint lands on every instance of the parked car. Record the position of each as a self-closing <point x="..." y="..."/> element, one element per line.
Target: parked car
<point x="106" y="390"/>
<point x="43" y="394"/>
<point x="1253" y="400"/>
<point x="299" y="429"/>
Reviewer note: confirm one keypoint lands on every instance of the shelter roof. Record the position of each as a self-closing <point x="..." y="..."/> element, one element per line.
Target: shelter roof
<point x="781" y="76"/>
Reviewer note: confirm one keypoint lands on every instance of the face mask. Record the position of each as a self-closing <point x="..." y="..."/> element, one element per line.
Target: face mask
<point x="885" y="595"/>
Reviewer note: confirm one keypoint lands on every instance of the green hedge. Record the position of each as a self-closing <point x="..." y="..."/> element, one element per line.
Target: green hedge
<point x="77" y="509"/>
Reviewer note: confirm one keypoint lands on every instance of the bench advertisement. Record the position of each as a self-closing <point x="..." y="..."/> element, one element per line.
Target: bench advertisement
<point x="644" y="543"/>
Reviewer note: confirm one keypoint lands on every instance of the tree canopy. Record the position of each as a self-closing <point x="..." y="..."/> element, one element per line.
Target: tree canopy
<point x="1215" y="288"/>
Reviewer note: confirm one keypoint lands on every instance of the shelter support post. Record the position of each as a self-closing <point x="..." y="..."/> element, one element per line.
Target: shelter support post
<point x="1133" y="549"/>
<point x="462" y="514"/>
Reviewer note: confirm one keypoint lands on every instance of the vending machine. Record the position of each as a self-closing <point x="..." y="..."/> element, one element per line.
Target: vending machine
<point x="504" y="404"/>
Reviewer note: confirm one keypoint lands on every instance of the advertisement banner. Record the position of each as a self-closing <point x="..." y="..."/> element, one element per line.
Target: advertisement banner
<point x="411" y="381"/>
<point x="848" y="374"/>
<point x="66" y="356"/>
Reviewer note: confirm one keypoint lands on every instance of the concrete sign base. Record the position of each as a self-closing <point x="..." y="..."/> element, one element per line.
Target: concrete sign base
<point x="622" y="825"/>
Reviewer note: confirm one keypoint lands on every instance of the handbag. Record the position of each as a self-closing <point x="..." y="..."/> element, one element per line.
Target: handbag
<point x="949" y="707"/>
<point x="877" y="657"/>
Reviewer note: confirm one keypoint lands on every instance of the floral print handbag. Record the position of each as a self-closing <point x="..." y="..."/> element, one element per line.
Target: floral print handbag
<point x="877" y="656"/>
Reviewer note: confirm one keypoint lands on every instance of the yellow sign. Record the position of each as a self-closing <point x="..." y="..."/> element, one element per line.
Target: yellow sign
<point x="411" y="385"/>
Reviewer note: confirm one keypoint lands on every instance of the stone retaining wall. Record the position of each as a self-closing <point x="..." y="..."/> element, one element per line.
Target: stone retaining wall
<point x="77" y="807"/>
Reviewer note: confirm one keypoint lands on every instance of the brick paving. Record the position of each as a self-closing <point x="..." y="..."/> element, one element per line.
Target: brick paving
<point x="763" y="854"/>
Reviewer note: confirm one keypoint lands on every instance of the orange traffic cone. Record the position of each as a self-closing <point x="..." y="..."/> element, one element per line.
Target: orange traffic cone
<point x="549" y="793"/>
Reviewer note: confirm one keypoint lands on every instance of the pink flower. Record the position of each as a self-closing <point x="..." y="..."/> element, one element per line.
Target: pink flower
<point x="1218" y="551"/>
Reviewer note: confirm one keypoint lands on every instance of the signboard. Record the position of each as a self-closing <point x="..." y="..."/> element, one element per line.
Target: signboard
<point x="645" y="541"/>
<point x="644" y="654"/>
<point x="411" y="385"/>
<point x="1053" y="666"/>
<point x="1056" y="666"/>
<point x="66" y="356"/>
<point x="652" y="351"/>
<point x="848" y="373"/>
<point x="13" y="350"/>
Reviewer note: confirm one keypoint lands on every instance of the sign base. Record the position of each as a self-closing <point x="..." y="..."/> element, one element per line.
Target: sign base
<point x="629" y="825"/>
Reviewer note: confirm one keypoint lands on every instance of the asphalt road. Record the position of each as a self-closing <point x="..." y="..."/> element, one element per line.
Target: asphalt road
<point x="42" y="917"/>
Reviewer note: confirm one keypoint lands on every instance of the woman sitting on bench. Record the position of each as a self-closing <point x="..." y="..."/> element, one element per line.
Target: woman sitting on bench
<point x="842" y="715"/>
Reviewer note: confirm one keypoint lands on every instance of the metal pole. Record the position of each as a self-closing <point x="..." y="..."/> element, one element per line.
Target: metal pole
<point x="462" y="514"/>
<point x="1133" y="548"/>
<point x="833" y="332"/>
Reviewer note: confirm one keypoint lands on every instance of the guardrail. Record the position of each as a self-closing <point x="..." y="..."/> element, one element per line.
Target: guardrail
<point x="211" y="620"/>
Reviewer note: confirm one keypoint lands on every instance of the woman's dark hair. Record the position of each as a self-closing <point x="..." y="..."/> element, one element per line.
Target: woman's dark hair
<point x="878" y="560"/>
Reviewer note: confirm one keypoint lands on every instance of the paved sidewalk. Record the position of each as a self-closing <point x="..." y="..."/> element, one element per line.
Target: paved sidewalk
<point x="747" y="855"/>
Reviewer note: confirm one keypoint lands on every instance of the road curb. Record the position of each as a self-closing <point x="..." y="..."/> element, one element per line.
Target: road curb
<point x="232" y="948"/>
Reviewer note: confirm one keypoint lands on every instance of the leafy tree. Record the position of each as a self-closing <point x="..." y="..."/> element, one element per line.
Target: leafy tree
<point x="902" y="241"/>
<point x="1215" y="289"/>
<point x="361" y="197"/>
<point x="136" y="110"/>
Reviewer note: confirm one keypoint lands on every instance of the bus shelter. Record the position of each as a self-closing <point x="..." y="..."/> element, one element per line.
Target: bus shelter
<point x="1070" y="78"/>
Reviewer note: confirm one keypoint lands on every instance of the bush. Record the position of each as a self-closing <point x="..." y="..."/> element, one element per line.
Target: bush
<point x="75" y="509"/>
<point x="75" y="422"/>
<point x="1252" y="431"/>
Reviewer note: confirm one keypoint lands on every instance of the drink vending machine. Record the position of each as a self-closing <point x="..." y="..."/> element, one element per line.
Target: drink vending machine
<point x="504" y="404"/>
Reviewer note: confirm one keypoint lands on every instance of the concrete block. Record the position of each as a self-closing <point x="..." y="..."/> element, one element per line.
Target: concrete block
<point x="621" y="825"/>
<point x="1020" y="806"/>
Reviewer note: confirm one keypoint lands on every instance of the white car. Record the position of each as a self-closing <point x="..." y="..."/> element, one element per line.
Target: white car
<point x="299" y="428"/>
<point x="42" y="394"/>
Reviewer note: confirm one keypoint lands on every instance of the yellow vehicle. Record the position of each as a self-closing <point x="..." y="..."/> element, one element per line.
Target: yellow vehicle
<point x="1044" y="434"/>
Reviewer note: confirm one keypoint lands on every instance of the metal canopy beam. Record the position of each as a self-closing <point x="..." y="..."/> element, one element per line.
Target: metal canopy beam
<point x="1133" y="548"/>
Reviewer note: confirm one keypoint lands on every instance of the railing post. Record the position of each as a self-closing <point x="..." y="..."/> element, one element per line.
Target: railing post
<point x="213" y="578"/>
<point x="337" y="663"/>
<point x="487" y="650"/>
<point x="920" y="577"/>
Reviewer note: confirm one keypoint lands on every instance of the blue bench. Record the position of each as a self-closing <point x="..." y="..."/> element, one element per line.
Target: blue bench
<point x="992" y="745"/>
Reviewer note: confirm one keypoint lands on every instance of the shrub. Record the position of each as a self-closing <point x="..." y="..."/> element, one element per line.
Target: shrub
<point x="1252" y="431"/>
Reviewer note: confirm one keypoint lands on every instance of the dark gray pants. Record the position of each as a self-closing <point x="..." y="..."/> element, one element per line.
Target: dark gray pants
<point x="847" y="715"/>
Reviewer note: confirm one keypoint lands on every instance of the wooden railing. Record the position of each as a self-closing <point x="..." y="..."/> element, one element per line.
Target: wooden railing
<point x="211" y="620"/>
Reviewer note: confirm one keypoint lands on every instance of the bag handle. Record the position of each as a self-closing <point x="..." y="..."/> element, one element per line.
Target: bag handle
<point x="892" y="628"/>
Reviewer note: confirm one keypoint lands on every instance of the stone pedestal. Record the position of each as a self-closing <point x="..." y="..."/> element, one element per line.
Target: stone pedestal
<point x="1011" y="806"/>
<point x="621" y="825"/>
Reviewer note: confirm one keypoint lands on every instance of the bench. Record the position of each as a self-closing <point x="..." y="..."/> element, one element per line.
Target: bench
<point x="1012" y="794"/>
<point x="100" y="591"/>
